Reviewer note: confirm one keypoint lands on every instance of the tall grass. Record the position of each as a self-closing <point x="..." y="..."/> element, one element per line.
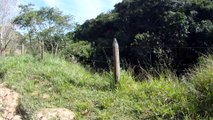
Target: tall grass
<point x="53" y="82"/>
<point x="201" y="86"/>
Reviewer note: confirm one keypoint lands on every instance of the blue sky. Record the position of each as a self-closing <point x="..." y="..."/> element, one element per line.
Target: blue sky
<point x="80" y="9"/>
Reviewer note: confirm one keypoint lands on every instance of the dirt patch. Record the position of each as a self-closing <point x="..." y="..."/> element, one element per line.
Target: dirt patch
<point x="54" y="114"/>
<point x="8" y="104"/>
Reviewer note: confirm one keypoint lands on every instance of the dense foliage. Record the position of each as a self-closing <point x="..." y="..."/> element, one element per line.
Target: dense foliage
<point x="79" y="51"/>
<point x="174" y="32"/>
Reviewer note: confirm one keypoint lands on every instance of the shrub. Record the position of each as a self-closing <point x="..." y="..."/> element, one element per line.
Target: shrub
<point x="81" y="50"/>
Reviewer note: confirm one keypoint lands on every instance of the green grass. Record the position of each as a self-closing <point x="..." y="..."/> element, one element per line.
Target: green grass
<point x="201" y="82"/>
<point x="53" y="82"/>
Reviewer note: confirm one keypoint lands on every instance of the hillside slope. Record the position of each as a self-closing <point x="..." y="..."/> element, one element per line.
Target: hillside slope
<point x="53" y="82"/>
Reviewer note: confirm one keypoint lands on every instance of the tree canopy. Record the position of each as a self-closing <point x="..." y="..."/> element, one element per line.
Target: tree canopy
<point x="46" y="25"/>
<point x="174" y="32"/>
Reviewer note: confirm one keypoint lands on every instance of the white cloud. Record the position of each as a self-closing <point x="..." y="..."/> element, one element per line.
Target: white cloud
<point x="88" y="9"/>
<point x="52" y="3"/>
<point x="111" y="2"/>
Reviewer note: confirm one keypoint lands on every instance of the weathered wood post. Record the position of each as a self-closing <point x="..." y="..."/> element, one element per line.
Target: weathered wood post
<point x="116" y="61"/>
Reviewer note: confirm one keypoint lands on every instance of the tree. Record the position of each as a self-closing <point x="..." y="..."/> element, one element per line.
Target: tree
<point x="11" y="39"/>
<point x="46" y="26"/>
<point x="7" y="32"/>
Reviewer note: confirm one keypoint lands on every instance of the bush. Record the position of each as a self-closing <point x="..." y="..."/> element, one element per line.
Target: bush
<point x="81" y="50"/>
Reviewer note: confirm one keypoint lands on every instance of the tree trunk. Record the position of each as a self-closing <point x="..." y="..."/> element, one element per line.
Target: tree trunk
<point x="56" y="49"/>
<point x="52" y="48"/>
<point x="31" y="47"/>
<point x="1" y="41"/>
<point x="42" y="49"/>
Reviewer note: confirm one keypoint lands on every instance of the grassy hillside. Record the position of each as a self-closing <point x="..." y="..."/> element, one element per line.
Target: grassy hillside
<point x="53" y="82"/>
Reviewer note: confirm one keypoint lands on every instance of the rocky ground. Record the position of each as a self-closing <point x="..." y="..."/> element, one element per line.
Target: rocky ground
<point x="54" y="113"/>
<point x="9" y="101"/>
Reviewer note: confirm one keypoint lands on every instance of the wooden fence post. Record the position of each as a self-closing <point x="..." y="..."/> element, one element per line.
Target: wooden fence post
<point x="116" y="61"/>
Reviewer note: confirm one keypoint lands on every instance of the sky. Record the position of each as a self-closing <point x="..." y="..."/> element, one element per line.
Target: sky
<point x="81" y="10"/>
